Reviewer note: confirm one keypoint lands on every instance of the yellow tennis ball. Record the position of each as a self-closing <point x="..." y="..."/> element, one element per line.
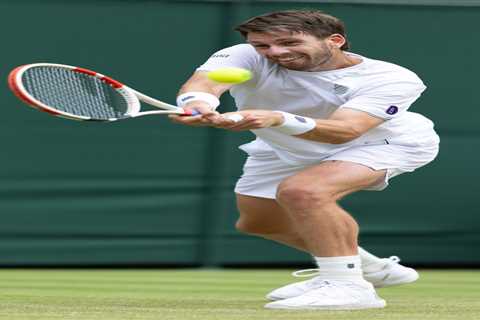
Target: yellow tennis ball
<point x="230" y="75"/>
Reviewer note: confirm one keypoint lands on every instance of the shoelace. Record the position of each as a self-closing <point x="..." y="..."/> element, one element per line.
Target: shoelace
<point x="394" y="259"/>
<point x="306" y="273"/>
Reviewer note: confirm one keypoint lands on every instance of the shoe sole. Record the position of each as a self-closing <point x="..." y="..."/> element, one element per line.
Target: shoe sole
<point x="271" y="298"/>
<point x="412" y="277"/>
<point x="377" y="305"/>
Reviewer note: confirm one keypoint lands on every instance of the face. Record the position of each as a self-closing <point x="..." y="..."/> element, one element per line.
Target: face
<point x="297" y="51"/>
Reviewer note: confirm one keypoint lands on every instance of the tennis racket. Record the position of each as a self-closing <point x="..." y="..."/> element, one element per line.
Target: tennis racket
<point x="81" y="94"/>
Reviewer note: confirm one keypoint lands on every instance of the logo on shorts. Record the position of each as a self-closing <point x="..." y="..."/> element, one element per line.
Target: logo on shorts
<point x="303" y="120"/>
<point x="392" y="110"/>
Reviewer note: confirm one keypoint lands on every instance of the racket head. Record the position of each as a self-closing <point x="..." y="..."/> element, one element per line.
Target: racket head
<point x="72" y="92"/>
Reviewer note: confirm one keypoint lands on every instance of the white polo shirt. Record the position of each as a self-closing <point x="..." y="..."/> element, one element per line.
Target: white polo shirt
<point x="382" y="89"/>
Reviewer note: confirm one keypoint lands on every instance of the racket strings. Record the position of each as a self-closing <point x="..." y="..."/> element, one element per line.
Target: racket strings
<point x="75" y="93"/>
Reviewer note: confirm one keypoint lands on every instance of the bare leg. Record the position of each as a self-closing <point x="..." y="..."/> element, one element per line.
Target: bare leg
<point x="265" y="218"/>
<point x="310" y="198"/>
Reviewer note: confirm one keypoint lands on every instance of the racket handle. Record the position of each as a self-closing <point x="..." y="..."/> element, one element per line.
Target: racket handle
<point x="191" y="113"/>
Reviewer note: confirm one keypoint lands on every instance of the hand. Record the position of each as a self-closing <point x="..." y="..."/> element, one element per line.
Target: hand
<point x="197" y="120"/>
<point x="252" y="119"/>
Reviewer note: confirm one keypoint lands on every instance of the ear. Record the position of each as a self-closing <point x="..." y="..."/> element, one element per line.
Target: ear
<point x="336" y="40"/>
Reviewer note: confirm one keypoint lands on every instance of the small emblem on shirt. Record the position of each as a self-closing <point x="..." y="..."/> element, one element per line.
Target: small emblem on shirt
<point x="339" y="89"/>
<point x="392" y="110"/>
<point x="350" y="266"/>
<point x="303" y="120"/>
<point x="220" y="55"/>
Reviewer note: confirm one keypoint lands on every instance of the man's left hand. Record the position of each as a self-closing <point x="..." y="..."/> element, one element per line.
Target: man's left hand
<point x="252" y="119"/>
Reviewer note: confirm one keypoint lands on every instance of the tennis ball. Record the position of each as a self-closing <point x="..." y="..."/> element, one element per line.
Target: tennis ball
<point x="230" y="75"/>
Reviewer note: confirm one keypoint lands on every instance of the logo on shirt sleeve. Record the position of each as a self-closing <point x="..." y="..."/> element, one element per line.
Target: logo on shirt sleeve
<point x="392" y="110"/>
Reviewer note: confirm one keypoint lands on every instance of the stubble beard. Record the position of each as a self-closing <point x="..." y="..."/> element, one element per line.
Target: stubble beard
<point x="311" y="63"/>
<point x="321" y="60"/>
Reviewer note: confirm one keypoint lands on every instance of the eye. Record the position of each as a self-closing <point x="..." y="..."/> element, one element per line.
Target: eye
<point x="290" y="43"/>
<point x="260" y="46"/>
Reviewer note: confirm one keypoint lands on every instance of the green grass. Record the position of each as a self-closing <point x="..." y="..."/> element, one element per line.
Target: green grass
<point x="213" y="294"/>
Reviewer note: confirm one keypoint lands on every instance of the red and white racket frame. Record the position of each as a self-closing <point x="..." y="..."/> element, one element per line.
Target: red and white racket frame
<point x="131" y="96"/>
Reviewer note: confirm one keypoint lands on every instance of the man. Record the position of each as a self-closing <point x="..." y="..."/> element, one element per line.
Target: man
<point x="328" y="123"/>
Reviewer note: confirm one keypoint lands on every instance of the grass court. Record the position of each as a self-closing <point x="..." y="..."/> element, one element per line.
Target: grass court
<point x="225" y="294"/>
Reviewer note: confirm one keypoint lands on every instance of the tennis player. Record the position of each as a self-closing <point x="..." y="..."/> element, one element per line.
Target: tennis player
<point x="328" y="123"/>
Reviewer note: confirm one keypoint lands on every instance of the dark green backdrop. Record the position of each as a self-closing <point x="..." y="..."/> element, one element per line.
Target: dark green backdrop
<point x="147" y="192"/>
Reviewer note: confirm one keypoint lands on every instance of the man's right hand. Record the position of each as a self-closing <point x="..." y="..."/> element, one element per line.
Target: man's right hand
<point x="202" y="119"/>
<point x="200" y="82"/>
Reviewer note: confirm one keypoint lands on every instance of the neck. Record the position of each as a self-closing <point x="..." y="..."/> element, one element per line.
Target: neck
<point x="339" y="60"/>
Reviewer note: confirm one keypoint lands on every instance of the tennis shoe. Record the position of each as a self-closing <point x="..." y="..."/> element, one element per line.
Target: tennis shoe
<point x="333" y="295"/>
<point x="391" y="274"/>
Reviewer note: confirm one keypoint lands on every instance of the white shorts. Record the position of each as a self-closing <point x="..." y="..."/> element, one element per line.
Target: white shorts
<point x="263" y="171"/>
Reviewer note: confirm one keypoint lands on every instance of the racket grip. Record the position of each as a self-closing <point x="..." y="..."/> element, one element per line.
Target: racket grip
<point x="191" y="113"/>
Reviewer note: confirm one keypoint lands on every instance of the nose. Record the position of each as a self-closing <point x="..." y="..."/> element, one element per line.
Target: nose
<point x="276" y="51"/>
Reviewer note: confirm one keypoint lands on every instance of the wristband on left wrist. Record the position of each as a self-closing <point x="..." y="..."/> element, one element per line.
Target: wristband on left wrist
<point x="294" y="124"/>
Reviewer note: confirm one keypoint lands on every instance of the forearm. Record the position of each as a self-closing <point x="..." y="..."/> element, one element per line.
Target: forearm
<point x="332" y="131"/>
<point x="200" y="93"/>
<point x="199" y="82"/>
<point x="321" y="130"/>
<point x="343" y="126"/>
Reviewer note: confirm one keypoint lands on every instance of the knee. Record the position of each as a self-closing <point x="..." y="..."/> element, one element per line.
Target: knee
<point x="296" y="195"/>
<point x="259" y="228"/>
<point x="249" y="227"/>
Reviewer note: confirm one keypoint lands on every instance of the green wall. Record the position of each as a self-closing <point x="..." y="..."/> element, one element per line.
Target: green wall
<point x="148" y="192"/>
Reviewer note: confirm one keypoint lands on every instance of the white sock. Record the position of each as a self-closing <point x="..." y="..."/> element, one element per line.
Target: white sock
<point x="370" y="263"/>
<point x="340" y="268"/>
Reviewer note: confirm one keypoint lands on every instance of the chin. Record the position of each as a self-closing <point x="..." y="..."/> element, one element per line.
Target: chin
<point x="293" y="66"/>
<point x="297" y="66"/>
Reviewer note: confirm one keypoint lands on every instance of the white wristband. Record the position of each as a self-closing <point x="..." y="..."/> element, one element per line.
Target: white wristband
<point x="187" y="97"/>
<point x="293" y="124"/>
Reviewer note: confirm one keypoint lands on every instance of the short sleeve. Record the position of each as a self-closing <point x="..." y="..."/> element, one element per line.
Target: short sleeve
<point x="240" y="56"/>
<point x="387" y="99"/>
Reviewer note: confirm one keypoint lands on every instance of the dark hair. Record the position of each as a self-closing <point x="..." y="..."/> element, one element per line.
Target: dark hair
<point x="314" y="22"/>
